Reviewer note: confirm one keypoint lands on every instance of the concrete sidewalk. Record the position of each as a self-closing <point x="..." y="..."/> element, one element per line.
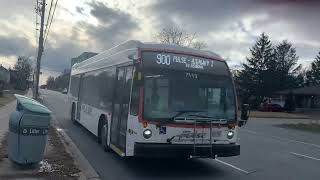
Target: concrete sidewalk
<point x="5" y="114"/>
<point x="4" y="118"/>
<point x="57" y="162"/>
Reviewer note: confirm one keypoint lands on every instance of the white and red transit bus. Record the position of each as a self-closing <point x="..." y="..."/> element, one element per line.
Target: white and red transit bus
<point x="156" y="100"/>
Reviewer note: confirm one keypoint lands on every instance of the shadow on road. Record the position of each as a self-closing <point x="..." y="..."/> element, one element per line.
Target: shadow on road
<point x="172" y="168"/>
<point x="160" y="168"/>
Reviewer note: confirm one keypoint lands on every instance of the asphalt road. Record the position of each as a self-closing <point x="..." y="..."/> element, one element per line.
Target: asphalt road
<point x="267" y="152"/>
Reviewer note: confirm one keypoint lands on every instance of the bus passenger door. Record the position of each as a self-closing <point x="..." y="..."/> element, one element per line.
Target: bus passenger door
<point x="121" y="107"/>
<point x="79" y="99"/>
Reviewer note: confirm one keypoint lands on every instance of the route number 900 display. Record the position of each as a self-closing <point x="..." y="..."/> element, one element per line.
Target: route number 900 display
<point x="163" y="59"/>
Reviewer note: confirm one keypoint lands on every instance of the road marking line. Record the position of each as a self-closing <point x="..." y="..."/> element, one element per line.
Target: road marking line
<point x="305" y="156"/>
<point x="282" y="139"/>
<point x="234" y="167"/>
<point x="296" y="141"/>
<point x="117" y="150"/>
<point x="249" y="131"/>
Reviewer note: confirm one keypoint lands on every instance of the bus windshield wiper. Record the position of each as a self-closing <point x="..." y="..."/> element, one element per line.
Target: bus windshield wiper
<point x="181" y="112"/>
<point x="208" y="117"/>
<point x="200" y="116"/>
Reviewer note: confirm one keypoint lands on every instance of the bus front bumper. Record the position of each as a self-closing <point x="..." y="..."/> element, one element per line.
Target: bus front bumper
<point x="185" y="150"/>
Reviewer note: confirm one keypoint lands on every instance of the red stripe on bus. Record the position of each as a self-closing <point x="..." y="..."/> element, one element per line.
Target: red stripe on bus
<point x="140" y="114"/>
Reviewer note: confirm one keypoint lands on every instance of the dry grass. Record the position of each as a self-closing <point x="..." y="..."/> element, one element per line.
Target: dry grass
<point x="5" y="99"/>
<point x="3" y="147"/>
<point x="312" y="127"/>
<point x="8" y="96"/>
<point x="62" y="161"/>
<point x="260" y="114"/>
<point x="62" y="164"/>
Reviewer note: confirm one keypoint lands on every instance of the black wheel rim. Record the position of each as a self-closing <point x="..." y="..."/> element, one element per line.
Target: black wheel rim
<point x="104" y="135"/>
<point x="72" y="114"/>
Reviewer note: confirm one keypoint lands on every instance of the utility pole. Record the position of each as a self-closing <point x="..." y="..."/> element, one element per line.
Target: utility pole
<point x="41" y="11"/>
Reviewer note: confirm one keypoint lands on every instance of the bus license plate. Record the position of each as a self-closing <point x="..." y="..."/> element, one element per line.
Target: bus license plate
<point x="216" y="133"/>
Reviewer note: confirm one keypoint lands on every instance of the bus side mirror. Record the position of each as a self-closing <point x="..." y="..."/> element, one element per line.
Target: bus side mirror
<point x="134" y="58"/>
<point x="244" y="116"/>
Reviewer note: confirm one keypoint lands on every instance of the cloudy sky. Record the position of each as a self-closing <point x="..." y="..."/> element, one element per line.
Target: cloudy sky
<point x="229" y="27"/>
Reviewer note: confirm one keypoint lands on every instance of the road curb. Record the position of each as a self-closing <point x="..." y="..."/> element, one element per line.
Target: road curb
<point x="87" y="171"/>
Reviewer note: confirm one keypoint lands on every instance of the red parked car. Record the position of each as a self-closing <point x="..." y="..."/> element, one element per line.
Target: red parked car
<point x="275" y="108"/>
<point x="271" y="108"/>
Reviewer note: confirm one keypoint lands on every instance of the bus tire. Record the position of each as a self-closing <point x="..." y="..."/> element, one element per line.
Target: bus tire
<point x="103" y="134"/>
<point x="73" y="112"/>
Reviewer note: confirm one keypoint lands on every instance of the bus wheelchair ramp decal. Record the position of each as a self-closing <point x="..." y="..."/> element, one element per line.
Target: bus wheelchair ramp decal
<point x="163" y="130"/>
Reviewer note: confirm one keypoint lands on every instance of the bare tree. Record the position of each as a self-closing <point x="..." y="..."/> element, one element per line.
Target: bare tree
<point x="24" y="69"/>
<point x="51" y="82"/>
<point x="199" y="45"/>
<point x="175" y="35"/>
<point x="178" y="36"/>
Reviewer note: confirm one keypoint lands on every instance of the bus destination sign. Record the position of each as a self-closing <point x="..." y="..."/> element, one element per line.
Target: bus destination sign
<point x="180" y="62"/>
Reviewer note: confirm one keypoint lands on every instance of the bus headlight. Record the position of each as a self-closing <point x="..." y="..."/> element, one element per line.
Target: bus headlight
<point x="230" y="134"/>
<point x="147" y="133"/>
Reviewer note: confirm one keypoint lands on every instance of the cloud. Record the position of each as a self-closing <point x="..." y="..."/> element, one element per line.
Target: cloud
<point x="11" y="45"/>
<point x="114" y="26"/>
<point x="57" y="58"/>
<point x="200" y="17"/>
<point x="79" y="10"/>
<point x="230" y="28"/>
<point x="12" y="8"/>
<point x="219" y="23"/>
<point x="65" y="40"/>
<point x="217" y="15"/>
<point x="60" y="48"/>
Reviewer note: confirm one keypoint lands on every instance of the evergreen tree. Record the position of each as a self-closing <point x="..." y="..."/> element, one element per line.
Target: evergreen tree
<point x="299" y="80"/>
<point x="24" y="70"/>
<point x="255" y="79"/>
<point x="313" y="76"/>
<point x="287" y="69"/>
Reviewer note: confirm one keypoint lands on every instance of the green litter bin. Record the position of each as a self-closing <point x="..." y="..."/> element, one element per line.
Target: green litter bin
<point x="28" y="129"/>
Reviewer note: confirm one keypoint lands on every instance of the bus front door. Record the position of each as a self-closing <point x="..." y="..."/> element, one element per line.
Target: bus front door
<point x="79" y="99"/>
<point x="121" y="107"/>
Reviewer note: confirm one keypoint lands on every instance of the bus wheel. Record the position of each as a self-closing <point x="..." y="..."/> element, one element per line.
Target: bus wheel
<point x="104" y="135"/>
<point x="73" y="110"/>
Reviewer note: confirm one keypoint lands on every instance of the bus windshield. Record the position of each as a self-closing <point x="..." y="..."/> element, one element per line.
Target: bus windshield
<point x="169" y="94"/>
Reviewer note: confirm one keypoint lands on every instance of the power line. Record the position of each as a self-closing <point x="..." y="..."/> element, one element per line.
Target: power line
<point x="48" y="17"/>
<point x="54" y="10"/>
<point x="48" y="25"/>
<point x="36" y="6"/>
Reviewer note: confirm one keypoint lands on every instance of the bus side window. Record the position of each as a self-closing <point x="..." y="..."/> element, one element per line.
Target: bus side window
<point x="134" y="106"/>
<point x="74" y="85"/>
